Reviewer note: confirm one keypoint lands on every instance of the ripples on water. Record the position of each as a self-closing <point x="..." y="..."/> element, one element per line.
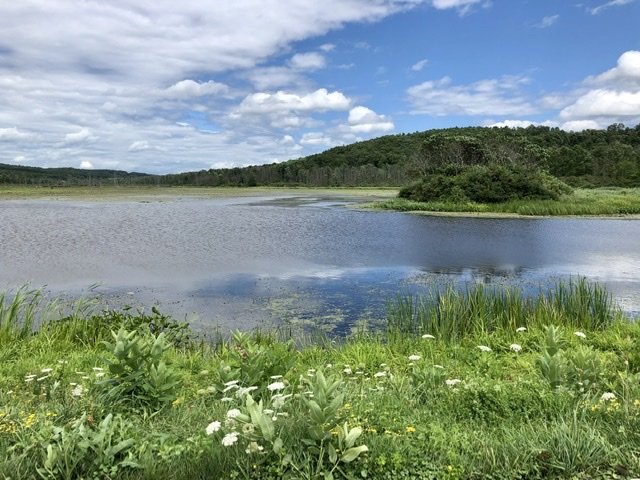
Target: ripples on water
<point x="238" y="263"/>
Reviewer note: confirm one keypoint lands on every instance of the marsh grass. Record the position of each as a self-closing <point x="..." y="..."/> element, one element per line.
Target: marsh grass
<point x="425" y="408"/>
<point x="453" y="314"/>
<point x="583" y="202"/>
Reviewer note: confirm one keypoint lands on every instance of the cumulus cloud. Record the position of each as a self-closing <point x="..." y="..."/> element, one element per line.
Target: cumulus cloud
<point x="321" y="101"/>
<point x="580" y="125"/>
<point x="307" y="61"/>
<point x="500" y="96"/>
<point x="419" y="65"/>
<point x="99" y="76"/>
<point x="190" y="88"/>
<point x="86" y="165"/>
<point x="612" y="3"/>
<point x="463" y="6"/>
<point x="613" y="96"/>
<point x="364" y="120"/>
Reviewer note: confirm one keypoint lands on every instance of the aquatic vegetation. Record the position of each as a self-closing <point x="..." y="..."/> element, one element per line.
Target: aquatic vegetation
<point x="484" y="384"/>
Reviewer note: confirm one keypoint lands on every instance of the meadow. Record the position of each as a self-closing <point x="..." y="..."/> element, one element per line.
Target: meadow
<point x="483" y="383"/>
<point x="582" y="202"/>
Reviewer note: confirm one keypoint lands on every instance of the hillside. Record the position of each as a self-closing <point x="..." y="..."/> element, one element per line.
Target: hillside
<point x="591" y="158"/>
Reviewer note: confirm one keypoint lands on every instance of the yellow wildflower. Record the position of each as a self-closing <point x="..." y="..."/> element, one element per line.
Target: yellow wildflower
<point x="410" y="429"/>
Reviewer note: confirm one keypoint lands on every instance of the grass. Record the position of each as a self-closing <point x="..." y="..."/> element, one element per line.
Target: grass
<point x="152" y="192"/>
<point x="583" y="202"/>
<point x="418" y="399"/>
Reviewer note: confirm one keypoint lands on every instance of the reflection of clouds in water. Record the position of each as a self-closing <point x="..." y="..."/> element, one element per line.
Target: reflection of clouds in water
<point x="604" y="268"/>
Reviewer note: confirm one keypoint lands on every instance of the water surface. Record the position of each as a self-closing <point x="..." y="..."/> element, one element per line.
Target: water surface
<point x="240" y="262"/>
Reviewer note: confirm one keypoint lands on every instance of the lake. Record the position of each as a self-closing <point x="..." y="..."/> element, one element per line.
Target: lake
<point x="294" y="258"/>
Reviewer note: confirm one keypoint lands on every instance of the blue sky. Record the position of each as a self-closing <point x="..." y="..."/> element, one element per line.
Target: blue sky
<point x="163" y="86"/>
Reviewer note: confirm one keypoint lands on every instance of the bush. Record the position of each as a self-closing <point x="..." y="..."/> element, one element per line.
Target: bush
<point x="491" y="183"/>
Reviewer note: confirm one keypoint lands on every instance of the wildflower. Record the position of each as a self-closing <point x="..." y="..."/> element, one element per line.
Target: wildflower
<point x="277" y="377"/>
<point x="248" y="428"/>
<point x="607" y="397"/>
<point x="62" y="362"/>
<point x="77" y="391"/>
<point x="347" y="370"/>
<point x="47" y="370"/>
<point x="521" y="329"/>
<point x="428" y="337"/>
<point x="580" y="334"/>
<point x="515" y="347"/>
<point x="229" y="439"/>
<point x="242" y="391"/>
<point x="484" y="348"/>
<point x="414" y="358"/>
<point x="268" y="411"/>
<point x="201" y="391"/>
<point x="410" y="429"/>
<point x="204" y="372"/>
<point x="42" y="378"/>
<point x="382" y="365"/>
<point x="452" y="382"/>
<point x="229" y="387"/>
<point x="177" y="402"/>
<point x="254" y="447"/>
<point x="438" y="366"/>
<point x="275" y="386"/>
<point x="97" y="369"/>
<point x="226" y="399"/>
<point x="100" y="374"/>
<point x="380" y="374"/>
<point x="213" y="427"/>
<point x="329" y="365"/>
<point x="233" y="413"/>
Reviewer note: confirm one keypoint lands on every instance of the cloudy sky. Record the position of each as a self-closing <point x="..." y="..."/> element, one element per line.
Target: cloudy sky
<point x="162" y="86"/>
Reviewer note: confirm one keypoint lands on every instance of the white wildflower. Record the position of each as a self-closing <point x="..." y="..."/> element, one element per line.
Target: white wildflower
<point x="226" y="399"/>
<point x="77" y="391"/>
<point x="608" y="397"/>
<point x="268" y="411"/>
<point x="452" y="382"/>
<point x="382" y="365"/>
<point x="347" y="371"/>
<point x="515" y="347"/>
<point x="97" y="369"/>
<point x="242" y="391"/>
<point x="47" y="370"/>
<point x="213" y="427"/>
<point x="484" y="348"/>
<point x="329" y="365"/>
<point x="254" y="447"/>
<point x="380" y="374"/>
<point x="62" y="362"/>
<point x="229" y="387"/>
<point x="276" y="377"/>
<point x="429" y="337"/>
<point x="414" y="358"/>
<point x="232" y="382"/>
<point x="100" y="374"/>
<point x="229" y="439"/>
<point x="275" y="386"/>
<point x="438" y="366"/>
<point x="580" y="334"/>
<point x="42" y="378"/>
<point x="521" y="329"/>
<point x="234" y="413"/>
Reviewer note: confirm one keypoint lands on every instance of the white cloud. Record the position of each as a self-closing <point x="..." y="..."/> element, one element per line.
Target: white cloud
<point x="512" y="124"/>
<point x="12" y="133"/>
<point x="139" y="146"/>
<point x="613" y="96"/>
<point x="86" y="165"/>
<point x="500" y="96"/>
<point x="365" y="120"/>
<point x="464" y="6"/>
<point x="307" y="61"/>
<point x="604" y="103"/>
<point x="612" y="3"/>
<point x="103" y="75"/>
<point x="80" y="136"/>
<point x="580" y="125"/>
<point x="190" y="88"/>
<point x="548" y="21"/>
<point x="419" y="65"/>
<point x="327" y="47"/>
<point x="316" y="139"/>
<point x="321" y="101"/>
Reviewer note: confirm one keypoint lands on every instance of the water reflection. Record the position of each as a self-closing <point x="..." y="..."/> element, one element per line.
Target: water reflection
<point x="241" y="262"/>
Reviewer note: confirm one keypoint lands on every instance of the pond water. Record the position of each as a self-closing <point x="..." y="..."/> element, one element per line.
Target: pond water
<point x="242" y="262"/>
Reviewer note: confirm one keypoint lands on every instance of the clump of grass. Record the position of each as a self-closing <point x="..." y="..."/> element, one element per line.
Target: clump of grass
<point x="20" y="311"/>
<point x="453" y="314"/>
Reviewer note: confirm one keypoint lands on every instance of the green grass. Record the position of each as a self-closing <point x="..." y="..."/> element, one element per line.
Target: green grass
<point x="424" y="407"/>
<point x="583" y="202"/>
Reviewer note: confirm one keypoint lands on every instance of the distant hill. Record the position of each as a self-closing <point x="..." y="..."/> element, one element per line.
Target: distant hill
<point x="608" y="157"/>
<point x="588" y="158"/>
<point x="23" y="175"/>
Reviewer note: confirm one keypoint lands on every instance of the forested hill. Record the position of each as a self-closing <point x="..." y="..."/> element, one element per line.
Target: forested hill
<point x="22" y="175"/>
<point x="589" y="158"/>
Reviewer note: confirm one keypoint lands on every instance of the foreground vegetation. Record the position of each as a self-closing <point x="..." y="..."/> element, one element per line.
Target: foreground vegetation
<point x="480" y="384"/>
<point x="583" y="202"/>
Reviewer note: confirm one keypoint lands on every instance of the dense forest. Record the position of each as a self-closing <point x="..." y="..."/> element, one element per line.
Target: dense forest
<point x="590" y="158"/>
<point x="22" y="175"/>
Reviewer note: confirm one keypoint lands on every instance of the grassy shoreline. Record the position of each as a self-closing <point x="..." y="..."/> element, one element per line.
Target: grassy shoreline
<point x="481" y="385"/>
<point x="604" y="202"/>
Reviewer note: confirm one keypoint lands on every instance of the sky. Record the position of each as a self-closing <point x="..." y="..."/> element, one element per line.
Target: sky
<point x="160" y="86"/>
